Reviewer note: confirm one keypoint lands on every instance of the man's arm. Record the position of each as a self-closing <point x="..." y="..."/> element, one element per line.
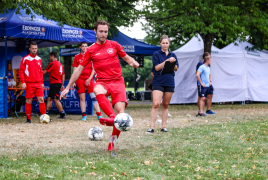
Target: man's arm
<point x="210" y="81"/>
<point x="199" y="79"/>
<point x="63" y="79"/>
<point x="45" y="71"/>
<point x="131" y="61"/>
<point x="21" y="74"/>
<point x="75" y="76"/>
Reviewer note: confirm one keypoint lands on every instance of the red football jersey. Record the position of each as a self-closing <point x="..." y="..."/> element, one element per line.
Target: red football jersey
<point x="56" y="71"/>
<point x="88" y="68"/>
<point x="31" y="69"/>
<point x="105" y="60"/>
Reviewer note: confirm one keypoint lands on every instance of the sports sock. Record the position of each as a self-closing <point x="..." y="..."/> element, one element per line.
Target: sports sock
<point x="207" y="110"/>
<point x="98" y="113"/>
<point x="84" y="114"/>
<point x="42" y="108"/>
<point x="47" y="111"/>
<point x="28" y="110"/>
<point x="116" y="132"/>
<point x="105" y="105"/>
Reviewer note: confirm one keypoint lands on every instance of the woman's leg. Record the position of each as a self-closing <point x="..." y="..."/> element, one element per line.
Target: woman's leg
<point x="165" y="103"/>
<point x="157" y="97"/>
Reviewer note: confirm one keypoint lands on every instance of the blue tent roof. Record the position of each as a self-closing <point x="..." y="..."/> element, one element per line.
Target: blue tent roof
<point x="45" y="32"/>
<point x="133" y="46"/>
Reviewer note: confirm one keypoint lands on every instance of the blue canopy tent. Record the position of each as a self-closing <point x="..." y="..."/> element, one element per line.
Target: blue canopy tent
<point x="17" y="30"/>
<point x="135" y="47"/>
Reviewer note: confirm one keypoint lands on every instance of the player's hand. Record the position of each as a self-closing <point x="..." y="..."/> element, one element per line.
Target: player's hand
<point x="210" y="83"/>
<point x="203" y="85"/>
<point x="64" y="92"/>
<point x="73" y="86"/>
<point x="134" y="64"/>
<point x="62" y="88"/>
<point x="23" y="86"/>
<point x="43" y="86"/>
<point x="172" y="59"/>
<point x="88" y="81"/>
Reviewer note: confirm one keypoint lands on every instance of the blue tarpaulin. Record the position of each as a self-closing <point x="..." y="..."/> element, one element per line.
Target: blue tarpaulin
<point x="135" y="47"/>
<point x="17" y="30"/>
<point x="45" y="32"/>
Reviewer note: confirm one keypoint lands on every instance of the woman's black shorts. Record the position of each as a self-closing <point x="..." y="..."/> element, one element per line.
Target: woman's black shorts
<point x="163" y="88"/>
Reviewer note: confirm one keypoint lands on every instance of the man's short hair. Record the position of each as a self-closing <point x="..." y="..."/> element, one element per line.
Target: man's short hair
<point x="83" y="43"/>
<point x="205" y="55"/>
<point x="100" y="22"/>
<point x="32" y="43"/>
<point x="53" y="53"/>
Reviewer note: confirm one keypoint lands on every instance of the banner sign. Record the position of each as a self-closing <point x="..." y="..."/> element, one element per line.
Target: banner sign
<point x="71" y="105"/>
<point x="69" y="51"/>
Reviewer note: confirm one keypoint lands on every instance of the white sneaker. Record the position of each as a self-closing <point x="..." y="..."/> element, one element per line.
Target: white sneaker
<point x="169" y="115"/>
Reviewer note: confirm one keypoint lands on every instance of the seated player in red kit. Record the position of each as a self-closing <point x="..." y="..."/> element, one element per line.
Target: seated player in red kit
<point x="103" y="54"/>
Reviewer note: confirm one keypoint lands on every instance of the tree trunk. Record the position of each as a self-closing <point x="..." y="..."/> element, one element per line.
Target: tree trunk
<point x="68" y="65"/>
<point x="207" y="42"/>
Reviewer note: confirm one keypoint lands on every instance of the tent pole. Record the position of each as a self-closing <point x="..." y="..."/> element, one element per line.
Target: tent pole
<point x="5" y="81"/>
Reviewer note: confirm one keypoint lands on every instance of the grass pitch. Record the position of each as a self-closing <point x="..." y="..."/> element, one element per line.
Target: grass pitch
<point x="230" y="145"/>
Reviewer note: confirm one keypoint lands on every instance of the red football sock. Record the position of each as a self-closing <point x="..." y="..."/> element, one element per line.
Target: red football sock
<point x="116" y="132"/>
<point x="28" y="110"/>
<point x="105" y="105"/>
<point x="42" y="108"/>
<point x="98" y="113"/>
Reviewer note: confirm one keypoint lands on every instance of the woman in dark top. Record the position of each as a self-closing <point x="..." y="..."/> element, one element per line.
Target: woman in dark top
<point x="163" y="85"/>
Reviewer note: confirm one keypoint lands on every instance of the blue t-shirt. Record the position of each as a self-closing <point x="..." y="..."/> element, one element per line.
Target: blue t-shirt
<point x="205" y="72"/>
<point x="164" y="79"/>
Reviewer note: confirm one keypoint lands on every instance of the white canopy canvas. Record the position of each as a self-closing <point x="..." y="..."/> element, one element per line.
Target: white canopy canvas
<point x="237" y="74"/>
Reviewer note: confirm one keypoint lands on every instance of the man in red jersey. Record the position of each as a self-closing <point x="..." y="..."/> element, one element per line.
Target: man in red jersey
<point x="104" y="56"/>
<point x="31" y="77"/>
<point x="85" y="81"/>
<point x="57" y="77"/>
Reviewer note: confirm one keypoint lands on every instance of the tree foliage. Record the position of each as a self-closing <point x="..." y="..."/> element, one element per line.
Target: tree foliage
<point x="80" y="13"/>
<point x="215" y="20"/>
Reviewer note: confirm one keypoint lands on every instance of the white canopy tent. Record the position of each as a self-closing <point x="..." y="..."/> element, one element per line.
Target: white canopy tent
<point x="230" y="71"/>
<point x="256" y="65"/>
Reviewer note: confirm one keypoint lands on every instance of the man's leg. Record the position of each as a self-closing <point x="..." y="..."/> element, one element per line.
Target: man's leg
<point x="202" y="104"/>
<point x="82" y="97"/>
<point x="28" y="108"/>
<point x="209" y="101"/>
<point x="95" y="105"/>
<point x="104" y="104"/>
<point x="49" y="104"/>
<point x="60" y="108"/>
<point x="42" y="105"/>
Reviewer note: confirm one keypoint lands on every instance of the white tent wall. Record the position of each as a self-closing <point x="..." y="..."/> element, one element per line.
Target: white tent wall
<point x="257" y="82"/>
<point x="228" y="76"/>
<point x="236" y="74"/>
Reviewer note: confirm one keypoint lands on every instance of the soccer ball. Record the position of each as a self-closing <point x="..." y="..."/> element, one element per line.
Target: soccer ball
<point x="123" y="122"/>
<point x="95" y="134"/>
<point x="45" y="118"/>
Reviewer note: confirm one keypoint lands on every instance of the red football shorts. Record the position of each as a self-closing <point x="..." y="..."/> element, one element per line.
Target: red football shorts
<point x="116" y="90"/>
<point x="81" y="84"/>
<point x="34" y="89"/>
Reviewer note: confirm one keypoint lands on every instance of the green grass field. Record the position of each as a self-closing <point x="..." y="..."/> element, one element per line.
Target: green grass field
<point x="231" y="145"/>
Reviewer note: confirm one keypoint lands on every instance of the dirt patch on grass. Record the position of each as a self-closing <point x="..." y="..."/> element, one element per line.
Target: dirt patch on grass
<point x="70" y="135"/>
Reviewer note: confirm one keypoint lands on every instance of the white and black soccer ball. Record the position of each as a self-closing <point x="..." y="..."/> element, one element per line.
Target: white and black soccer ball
<point x="123" y="122"/>
<point x="95" y="134"/>
<point x="44" y="118"/>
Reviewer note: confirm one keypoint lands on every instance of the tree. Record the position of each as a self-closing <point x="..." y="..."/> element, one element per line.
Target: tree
<point x="80" y="13"/>
<point x="182" y="19"/>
